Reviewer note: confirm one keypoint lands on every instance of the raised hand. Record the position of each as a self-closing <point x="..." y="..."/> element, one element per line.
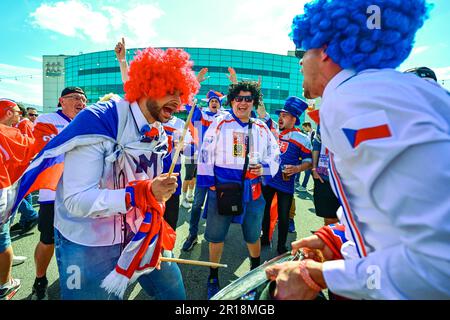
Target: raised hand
<point x="259" y="81"/>
<point x="232" y="76"/>
<point x="120" y="50"/>
<point x="201" y="76"/>
<point x="261" y="109"/>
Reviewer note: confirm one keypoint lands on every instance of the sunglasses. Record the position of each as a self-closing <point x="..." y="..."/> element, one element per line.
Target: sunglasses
<point x="299" y="53"/>
<point x="243" y="98"/>
<point x="32" y="114"/>
<point x="76" y="97"/>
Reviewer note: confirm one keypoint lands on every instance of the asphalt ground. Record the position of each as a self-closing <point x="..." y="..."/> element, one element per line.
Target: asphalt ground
<point x="235" y="254"/>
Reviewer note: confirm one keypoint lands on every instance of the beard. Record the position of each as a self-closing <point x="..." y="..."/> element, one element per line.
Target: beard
<point x="155" y="111"/>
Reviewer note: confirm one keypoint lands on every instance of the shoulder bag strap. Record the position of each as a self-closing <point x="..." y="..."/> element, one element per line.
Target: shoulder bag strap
<point x="247" y="149"/>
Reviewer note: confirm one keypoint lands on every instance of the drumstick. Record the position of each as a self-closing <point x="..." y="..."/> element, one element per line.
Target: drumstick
<point x="180" y="143"/>
<point x="194" y="262"/>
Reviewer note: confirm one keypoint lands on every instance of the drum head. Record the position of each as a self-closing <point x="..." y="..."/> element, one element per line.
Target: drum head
<point x="244" y="287"/>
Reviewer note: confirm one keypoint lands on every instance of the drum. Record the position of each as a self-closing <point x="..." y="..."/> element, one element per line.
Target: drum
<point x="254" y="284"/>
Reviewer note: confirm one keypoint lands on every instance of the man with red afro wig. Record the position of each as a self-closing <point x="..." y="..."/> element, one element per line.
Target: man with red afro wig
<point x="160" y="81"/>
<point x="112" y="179"/>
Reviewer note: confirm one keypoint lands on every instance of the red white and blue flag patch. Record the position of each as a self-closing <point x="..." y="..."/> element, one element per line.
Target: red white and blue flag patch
<point x="368" y="127"/>
<point x="356" y="137"/>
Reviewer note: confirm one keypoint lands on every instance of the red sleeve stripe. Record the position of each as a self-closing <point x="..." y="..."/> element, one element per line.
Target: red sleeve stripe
<point x="372" y="133"/>
<point x="302" y="147"/>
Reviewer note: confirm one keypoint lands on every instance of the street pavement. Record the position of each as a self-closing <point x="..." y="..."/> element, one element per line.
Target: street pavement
<point x="235" y="254"/>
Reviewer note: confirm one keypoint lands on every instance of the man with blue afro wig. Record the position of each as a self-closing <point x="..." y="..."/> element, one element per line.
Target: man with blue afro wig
<point x="352" y="38"/>
<point x="380" y="127"/>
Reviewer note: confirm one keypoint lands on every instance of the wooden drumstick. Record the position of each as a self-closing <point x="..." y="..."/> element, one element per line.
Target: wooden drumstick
<point x="194" y="262"/>
<point x="180" y="143"/>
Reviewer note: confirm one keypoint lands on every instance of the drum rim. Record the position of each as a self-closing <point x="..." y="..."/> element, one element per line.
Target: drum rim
<point x="285" y="257"/>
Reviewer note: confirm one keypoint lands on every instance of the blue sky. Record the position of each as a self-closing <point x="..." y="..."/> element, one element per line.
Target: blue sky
<point x="35" y="28"/>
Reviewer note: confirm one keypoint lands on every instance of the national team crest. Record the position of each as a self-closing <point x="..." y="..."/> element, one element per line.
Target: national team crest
<point x="284" y="146"/>
<point x="239" y="139"/>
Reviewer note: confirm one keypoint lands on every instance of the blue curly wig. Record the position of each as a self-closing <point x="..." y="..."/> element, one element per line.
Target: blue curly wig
<point x="342" y="26"/>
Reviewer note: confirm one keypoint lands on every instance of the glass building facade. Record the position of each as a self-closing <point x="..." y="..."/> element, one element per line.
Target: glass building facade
<point x="98" y="73"/>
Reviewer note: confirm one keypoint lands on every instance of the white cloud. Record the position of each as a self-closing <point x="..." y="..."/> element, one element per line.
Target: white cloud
<point x="259" y="25"/>
<point x="419" y="50"/>
<point x="74" y="19"/>
<point x="36" y="59"/>
<point x="265" y="29"/>
<point x="21" y="84"/>
<point x="140" y="22"/>
<point x="106" y="25"/>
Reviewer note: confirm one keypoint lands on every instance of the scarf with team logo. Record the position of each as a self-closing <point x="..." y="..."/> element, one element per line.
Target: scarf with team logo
<point x="149" y="232"/>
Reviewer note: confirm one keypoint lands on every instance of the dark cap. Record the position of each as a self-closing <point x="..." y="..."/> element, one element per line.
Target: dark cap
<point x="423" y="72"/>
<point x="70" y="90"/>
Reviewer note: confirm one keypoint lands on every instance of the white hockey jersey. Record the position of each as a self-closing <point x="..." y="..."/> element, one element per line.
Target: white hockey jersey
<point x="388" y="135"/>
<point x="222" y="155"/>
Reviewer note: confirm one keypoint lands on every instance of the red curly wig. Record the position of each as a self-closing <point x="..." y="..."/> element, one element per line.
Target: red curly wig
<point x="156" y="73"/>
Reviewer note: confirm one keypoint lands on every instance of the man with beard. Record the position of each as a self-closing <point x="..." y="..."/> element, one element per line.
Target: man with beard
<point x="380" y="126"/>
<point x="295" y="157"/>
<point x="173" y="128"/>
<point x="113" y="157"/>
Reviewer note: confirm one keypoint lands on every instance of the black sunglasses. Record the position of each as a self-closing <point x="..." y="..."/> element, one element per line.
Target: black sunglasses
<point x="299" y="53"/>
<point x="245" y="98"/>
<point x="32" y="114"/>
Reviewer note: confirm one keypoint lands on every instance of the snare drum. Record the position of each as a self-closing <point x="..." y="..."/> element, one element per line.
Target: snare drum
<point x="254" y="285"/>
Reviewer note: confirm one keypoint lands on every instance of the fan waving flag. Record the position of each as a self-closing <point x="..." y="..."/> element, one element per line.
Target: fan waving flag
<point x="16" y="152"/>
<point x="46" y="169"/>
<point x="95" y="124"/>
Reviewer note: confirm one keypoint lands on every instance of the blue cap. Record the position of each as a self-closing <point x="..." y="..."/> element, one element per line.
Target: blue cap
<point x="219" y="96"/>
<point x="294" y="106"/>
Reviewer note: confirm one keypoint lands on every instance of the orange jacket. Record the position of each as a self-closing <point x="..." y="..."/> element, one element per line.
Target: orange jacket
<point x="26" y="127"/>
<point x="17" y="150"/>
